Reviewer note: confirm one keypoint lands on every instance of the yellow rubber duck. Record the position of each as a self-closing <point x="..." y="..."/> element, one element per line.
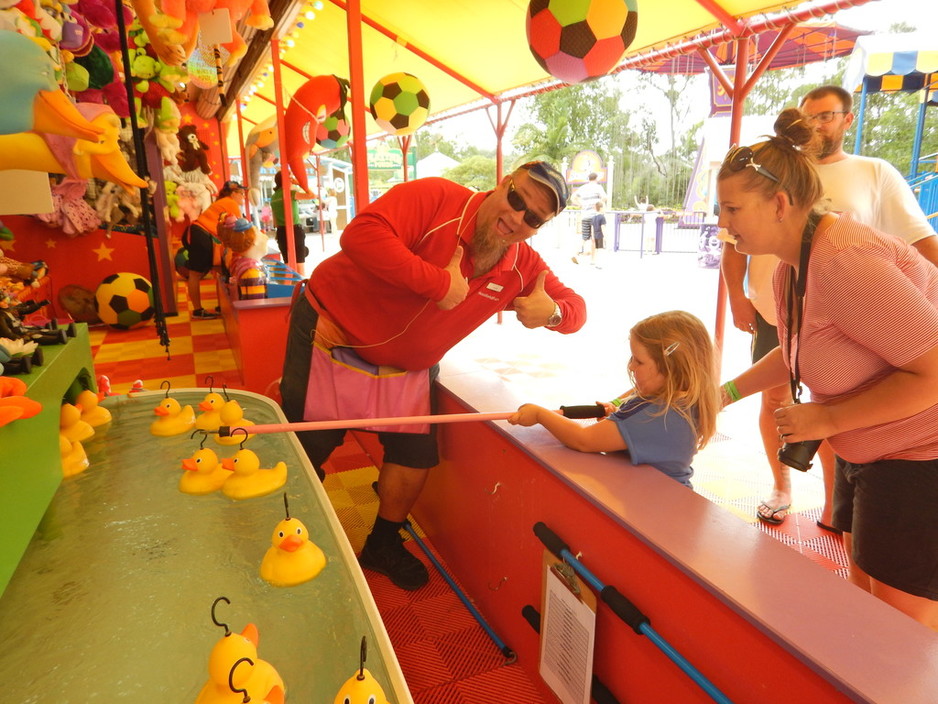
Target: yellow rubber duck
<point x="204" y="473"/>
<point x="74" y="458"/>
<point x="173" y="419"/>
<point x="232" y="415"/>
<point x="91" y="412"/>
<point x="210" y="417"/>
<point x="72" y="426"/>
<point x="362" y="687"/>
<point x="292" y="557"/>
<point x="249" y="480"/>
<point x="232" y="647"/>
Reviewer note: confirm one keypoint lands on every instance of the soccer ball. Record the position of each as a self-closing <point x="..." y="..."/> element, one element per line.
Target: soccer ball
<point x="399" y="103"/>
<point x="124" y="300"/>
<point x="333" y="132"/>
<point x="578" y="40"/>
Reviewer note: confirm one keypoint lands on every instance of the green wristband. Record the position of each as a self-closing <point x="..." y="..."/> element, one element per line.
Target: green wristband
<point x="616" y="402"/>
<point x="731" y="391"/>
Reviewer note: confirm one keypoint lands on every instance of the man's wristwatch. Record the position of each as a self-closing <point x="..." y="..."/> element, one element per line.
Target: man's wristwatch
<point x="555" y="317"/>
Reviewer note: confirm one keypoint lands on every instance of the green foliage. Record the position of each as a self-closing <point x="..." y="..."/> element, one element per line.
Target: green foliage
<point x="477" y="172"/>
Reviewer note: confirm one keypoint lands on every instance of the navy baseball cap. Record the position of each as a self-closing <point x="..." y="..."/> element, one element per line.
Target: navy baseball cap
<point x="547" y="175"/>
<point x="232" y="186"/>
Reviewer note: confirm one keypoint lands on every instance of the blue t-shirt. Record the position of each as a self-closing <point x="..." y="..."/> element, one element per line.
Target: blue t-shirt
<point x="666" y="440"/>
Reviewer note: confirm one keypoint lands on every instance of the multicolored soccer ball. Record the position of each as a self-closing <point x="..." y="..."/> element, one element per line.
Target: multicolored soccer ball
<point x="400" y="103"/>
<point x="124" y="300"/>
<point x="334" y="131"/>
<point x="578" y="40"/>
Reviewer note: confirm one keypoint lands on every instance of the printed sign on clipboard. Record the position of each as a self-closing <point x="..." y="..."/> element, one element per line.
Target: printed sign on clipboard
<point x="568" y="632"/>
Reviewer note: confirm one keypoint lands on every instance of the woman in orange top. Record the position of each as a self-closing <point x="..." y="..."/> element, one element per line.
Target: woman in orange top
<point x="201" y="237"/>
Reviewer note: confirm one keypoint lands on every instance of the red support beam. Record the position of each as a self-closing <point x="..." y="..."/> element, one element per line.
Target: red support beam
<point x="359" y="143"/>
<point x="419" y="52"/>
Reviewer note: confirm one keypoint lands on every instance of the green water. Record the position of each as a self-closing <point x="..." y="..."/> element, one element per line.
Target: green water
<point x="112" y="600"/>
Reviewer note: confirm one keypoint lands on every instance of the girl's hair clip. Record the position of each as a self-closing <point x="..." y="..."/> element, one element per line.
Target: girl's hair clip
<point x="669" y="350"/>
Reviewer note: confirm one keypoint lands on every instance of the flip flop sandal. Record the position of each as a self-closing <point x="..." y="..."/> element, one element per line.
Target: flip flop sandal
<point x="771" y="516"/>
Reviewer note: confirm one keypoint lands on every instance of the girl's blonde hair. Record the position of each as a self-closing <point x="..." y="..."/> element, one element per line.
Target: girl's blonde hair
<point x="680" y="345"/>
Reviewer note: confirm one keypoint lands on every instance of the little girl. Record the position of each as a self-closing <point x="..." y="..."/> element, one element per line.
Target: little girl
<point x="669" y="413"/>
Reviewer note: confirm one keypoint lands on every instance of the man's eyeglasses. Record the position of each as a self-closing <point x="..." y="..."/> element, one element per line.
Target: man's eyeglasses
<point x="824" y="117"/>
<point x="531" y="219"/>
<point x="740" y="158"/>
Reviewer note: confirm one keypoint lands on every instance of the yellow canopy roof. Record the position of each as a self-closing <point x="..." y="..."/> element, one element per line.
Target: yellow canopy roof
<point x="483" y="42"/>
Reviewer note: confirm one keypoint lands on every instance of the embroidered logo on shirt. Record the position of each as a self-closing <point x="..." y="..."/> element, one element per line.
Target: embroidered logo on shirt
<point x="492" y="286"/>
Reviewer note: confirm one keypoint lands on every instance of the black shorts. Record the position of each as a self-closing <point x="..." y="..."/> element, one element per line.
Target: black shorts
<point x="889" y="508"/>
<point x="764" y="340"/>
<point x="201" y="249"/>
<point x="299" y="241"/>
<point x="417" y="450"/>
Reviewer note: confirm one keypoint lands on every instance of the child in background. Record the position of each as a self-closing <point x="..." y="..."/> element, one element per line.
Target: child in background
<point x="669" y="413"/>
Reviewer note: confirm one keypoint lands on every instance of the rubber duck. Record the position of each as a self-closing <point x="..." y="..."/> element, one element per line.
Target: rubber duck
<point x="204" y="473"/>
<point x="292" y="557"/>
<point x="173" y="419"/>
<point x="276" y="695"/>
<point x="210" y="417"/>
<point x="249" y="480"/>
<point x="232" y="415"/>
<point x="91" y="412"/>
<point x="74" y="457"/>
<point x="362" y="687"/>
<point x="72" y="426"/>
<point x="230" y="648"/>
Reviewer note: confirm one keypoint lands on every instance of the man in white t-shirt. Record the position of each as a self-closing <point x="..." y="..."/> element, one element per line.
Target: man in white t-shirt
<point x="585" y="198"/>
<point x="871" y="191"/>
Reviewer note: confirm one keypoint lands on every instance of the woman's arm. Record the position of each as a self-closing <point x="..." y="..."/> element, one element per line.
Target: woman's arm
<point x="598" y="437"/>
<point x="767" y="373"/>
<point x="911" y="389"/>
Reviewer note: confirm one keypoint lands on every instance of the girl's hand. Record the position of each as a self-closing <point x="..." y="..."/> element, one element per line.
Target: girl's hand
<point x="608" y="408"/>
<point x="804" y="421"/>
<point x="526" y="415"/>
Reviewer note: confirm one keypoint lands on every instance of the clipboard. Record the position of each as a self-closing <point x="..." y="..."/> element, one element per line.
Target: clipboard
<point x="568" y="631"/>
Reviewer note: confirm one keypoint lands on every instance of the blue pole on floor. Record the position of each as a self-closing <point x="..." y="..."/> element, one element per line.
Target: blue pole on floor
<point x="505" y="650"/>
<point x="626" y="610"/>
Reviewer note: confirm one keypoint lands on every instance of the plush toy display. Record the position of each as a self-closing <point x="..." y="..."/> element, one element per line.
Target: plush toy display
<point x="313" y="102"/>
<point x="245" y="266"/>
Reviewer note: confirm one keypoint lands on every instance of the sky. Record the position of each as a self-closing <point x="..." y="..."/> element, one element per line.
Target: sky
<point x="876" y="15"/>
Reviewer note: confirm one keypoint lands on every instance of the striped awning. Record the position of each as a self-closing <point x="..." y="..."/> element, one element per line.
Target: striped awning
<point x="893" y="62"/>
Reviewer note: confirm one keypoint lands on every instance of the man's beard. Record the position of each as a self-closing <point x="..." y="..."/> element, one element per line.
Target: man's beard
<point x="828" y="145"/>
<point x="487" y="248"/>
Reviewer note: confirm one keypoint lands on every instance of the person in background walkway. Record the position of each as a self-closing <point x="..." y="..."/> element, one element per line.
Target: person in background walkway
<point x="858" y="323"/>
<point x="299" y="233"/>
<point x="874" y="193"/>
<point x="419" y="269"/>
<point x="331" y="210"/>
<point x="599" y="221"/>
<point x="669" y="413"/>
<point x="201" y="239"/>
<point x="585" y="198"/>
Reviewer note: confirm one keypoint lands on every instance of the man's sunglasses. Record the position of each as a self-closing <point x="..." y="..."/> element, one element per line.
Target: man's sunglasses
<point x="531" y="219"/>
<point x="740" y="158"/>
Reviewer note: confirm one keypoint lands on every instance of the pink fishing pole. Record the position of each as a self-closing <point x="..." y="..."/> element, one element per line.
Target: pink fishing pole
<point x="592" y="411"/>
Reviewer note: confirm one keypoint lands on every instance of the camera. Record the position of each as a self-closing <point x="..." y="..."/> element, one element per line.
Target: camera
<point x="798" y="455"/>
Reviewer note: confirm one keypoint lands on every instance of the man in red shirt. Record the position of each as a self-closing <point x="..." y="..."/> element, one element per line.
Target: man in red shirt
<point x="420" y="268"/>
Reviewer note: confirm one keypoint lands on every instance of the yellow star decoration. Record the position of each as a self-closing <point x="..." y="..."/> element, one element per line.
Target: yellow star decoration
<point x="50" y="243"/>
<point x="103" y="252"/>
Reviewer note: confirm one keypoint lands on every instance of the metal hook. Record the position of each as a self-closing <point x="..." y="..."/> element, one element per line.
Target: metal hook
<point x="224" y="390"/>
<point x="168" y="386"/>
<point x="246" y="436"/>
<point x="204" y="435"/>
<point x="231" y="681"/>
<point x="363" y="655"/>
<point x="210" y="380"/>
<point x="286" y="505"/>
<point x="215" y="620"/>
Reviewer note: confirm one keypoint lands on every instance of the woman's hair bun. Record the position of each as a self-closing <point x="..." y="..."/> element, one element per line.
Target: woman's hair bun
<point x="792" y="127"/>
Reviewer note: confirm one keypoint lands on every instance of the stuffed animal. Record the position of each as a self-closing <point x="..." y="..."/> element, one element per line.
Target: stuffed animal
<point x="193" y="151"/>
<point x="246" y="247"/>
